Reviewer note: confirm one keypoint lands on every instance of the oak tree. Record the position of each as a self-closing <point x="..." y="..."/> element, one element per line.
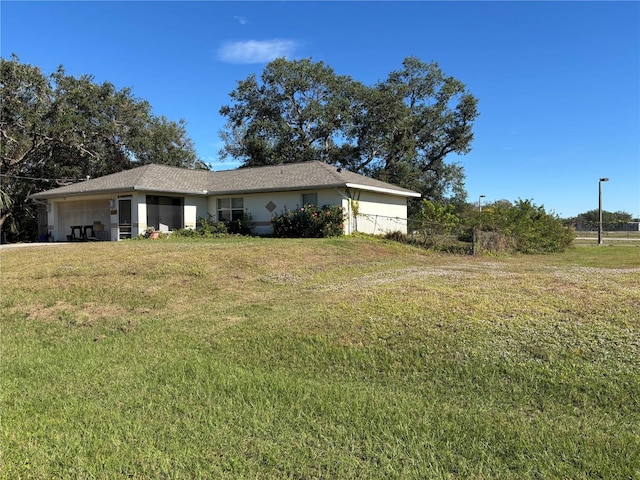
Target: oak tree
<point x="399" y="130"/>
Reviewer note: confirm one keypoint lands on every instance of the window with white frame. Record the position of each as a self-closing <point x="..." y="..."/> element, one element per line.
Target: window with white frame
<point x="310" y="199"/>
<point x="230" y="209"/>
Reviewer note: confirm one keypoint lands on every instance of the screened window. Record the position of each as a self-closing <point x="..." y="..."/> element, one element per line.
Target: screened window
<point x="165" y="211"/>
<point x="310" y="199"/>
<point x="230" y="209"/>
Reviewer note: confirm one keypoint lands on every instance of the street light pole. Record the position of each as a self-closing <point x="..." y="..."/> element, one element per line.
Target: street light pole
<point x="600" y="209"/>
<point x="480" y="202"/>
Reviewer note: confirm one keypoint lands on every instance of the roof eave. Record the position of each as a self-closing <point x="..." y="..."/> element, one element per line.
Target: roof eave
<point x="105" y="191"/>
<point x="46" y="195"/>
<point x="202" y="193"/>
<point x="389" y="191"/>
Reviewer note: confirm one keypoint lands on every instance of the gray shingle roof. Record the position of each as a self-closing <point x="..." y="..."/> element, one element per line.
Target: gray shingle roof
<point x="163" y="178"/>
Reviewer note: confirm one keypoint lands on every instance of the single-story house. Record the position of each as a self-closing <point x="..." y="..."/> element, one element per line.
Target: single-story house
<point x="125" y="204"/>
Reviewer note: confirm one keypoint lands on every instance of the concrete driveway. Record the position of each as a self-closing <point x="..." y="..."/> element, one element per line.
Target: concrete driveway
<point x="34" y="244"/>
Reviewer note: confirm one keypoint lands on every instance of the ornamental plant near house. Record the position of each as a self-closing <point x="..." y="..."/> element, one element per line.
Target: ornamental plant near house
<point x="151" y="232"/>
<point x="309" y="222"/>
<point x="240" y="226"/>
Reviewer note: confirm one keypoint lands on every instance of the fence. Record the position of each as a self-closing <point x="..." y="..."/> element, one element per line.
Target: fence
<point x="446" y="237"/>
<point x="463" y="239"/>
<point x="378" y="224"/>
<point x="632" y="227"/>
<point x="615" y="233"/>
<point x="624" y="237"/>
<point x="452" y="238"/>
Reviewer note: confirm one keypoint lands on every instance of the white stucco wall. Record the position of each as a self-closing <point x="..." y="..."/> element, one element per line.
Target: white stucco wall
<point x="379" y="213"/>
<point x="194" y="209"/>
<point x="256" y="204"/>
<point x="139" y="214"/>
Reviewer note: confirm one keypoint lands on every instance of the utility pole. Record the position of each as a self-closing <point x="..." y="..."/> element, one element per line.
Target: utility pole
<point x="600" y="209"/>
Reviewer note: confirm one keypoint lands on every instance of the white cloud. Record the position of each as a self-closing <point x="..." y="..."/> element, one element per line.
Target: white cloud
<point x="241" y="20"/>
<point x="256" y="51"/>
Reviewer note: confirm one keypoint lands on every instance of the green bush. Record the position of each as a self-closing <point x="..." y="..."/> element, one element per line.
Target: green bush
<point x="502" y="227"/>
<point x="241" y="226"/>
<point x="309" y="222"/>
<point x="206" y="228"/>
<point x="436" y="219"/>
<point x="437" y="227"/>
<point x="209" y="228"/>
<point x="440" y="244"/>
<point x="186" y="232"/>
<point x="526" y="228"/>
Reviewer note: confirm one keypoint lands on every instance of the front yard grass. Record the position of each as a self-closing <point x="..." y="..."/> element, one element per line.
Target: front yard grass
<point x="332" y="358"/>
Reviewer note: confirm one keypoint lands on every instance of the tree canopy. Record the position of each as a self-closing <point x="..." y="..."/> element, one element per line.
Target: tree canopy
<point x="58" y="129"/>
<point x="591" y="219"/>
<point x="399" y="130"/>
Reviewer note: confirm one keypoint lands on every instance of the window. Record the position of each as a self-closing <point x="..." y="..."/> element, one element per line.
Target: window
<point x="230" y="209"/>
<point x="310" y="199"/>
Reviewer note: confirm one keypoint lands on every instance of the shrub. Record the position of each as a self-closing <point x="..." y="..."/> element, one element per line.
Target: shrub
<point x="503" y="227"/>
<point x="436" y="219"/>
<point x="526" y="228"/>
<point x="241" y="226"/>
<point x="186" y="232"/>
<point x="309" y="222"/>
<point x="448" y="245"/>
<point x="209" y="228"/>
<point x="206" y="228"/>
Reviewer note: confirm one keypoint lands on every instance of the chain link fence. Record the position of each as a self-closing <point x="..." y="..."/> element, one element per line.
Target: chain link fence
<point x="629" y="229"/>
<point x="462" y="239"/>
<point x="452" y="238"/>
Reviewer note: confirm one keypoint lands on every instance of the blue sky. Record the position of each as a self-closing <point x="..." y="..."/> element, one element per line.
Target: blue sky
<point x="558" y="83"/>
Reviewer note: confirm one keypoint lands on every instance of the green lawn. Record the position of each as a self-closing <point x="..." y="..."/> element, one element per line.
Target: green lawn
<point x="337" y="358"/>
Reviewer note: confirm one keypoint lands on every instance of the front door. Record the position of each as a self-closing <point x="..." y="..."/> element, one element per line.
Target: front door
<point x="124" y="218"/>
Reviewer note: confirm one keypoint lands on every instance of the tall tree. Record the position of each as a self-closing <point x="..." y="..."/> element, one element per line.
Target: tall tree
<point x="399" y="130"/>
<point x="432" y="117"/>
<point x="24" y="135"/>
<point x="294" y="114"/>
<point x="60" y="128"/>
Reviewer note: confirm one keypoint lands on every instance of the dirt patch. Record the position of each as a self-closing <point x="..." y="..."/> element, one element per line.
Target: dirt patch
<point x="409" y="274"/>
<point x="86" y="315"/>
